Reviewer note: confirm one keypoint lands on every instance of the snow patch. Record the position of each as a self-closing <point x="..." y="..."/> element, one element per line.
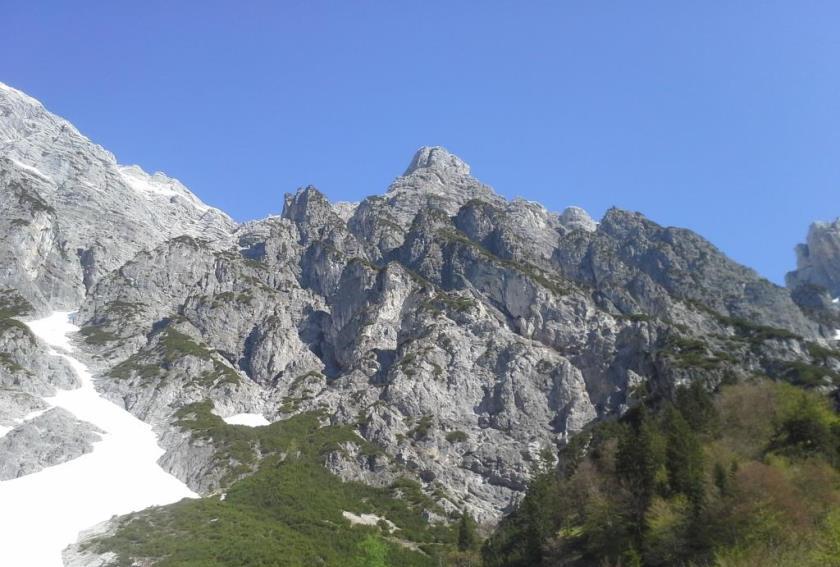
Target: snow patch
<point x="837" y="334"/>
<point x="45" y="511"/>
<point x="249" y="419"/>
<point x="158" y="184"/>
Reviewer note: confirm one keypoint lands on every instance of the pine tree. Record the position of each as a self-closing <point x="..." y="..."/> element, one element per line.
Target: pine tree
<point x="684" y="458"/>
<point x="467" y="536"/>
<point x="639" y="458"/>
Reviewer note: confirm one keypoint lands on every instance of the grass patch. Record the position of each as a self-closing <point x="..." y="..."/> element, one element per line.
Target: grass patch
<point x="289" y="512"/>
<point x="94" y="335"/>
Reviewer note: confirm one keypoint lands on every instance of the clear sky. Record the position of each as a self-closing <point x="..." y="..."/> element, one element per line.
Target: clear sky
<point x="719" y="116"/>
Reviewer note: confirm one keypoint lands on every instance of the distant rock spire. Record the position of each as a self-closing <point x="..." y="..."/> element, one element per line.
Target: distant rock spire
<point x="818" y="260"/>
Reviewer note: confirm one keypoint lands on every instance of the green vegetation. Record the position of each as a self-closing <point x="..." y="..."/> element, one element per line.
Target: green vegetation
<point x="231" y="297"/>
<point x="13" y="305"/>
<point x="757" y="333"/>
<point x="456" y="436"/>
<point x="289" y="512"/>
<point x="749" y="477"/>
<point x="9" y="363"/>
<point x="421" y="431"/>
<point x="94" y="335"/>
<point x="172" y="346"/>
<point x="809" y="375"/>
<point x="452" y="302"/>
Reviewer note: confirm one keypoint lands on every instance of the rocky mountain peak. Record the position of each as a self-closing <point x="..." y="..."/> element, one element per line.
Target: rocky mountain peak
<point x="818" y="259"/>
<point x="439" y="160"/>
<point x="576" y="218"/>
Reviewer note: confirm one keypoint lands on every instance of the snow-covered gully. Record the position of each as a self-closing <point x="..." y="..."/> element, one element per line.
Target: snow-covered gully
<point x="42" y="513"/>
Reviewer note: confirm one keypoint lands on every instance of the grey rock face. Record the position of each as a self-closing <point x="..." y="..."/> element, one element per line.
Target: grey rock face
<point x="15" y="405"/>
<point x="25" y="365"/>
<point x="818" y="260"/>
<point x="70" y="213"/>
<point x="638" y="265"/>
<point x="49" y="439"/>
<point x="80" y="554"/>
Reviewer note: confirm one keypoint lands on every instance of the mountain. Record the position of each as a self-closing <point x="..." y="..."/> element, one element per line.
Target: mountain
<point x="418" y="354"/>
<point x="816" y="281"/>
<point x="71" y="213"/>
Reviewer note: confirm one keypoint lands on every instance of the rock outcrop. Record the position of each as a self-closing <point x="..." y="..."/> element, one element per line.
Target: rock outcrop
<point x="52" y="438"/>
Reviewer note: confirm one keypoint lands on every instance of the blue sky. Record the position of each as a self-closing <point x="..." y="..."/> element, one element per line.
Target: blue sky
<point x="723" y="117"/>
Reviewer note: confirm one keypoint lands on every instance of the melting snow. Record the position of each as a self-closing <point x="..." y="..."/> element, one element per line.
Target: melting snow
<point x="158" y="184"/>
<point x="249" y="419"/>
<point x="42" y="513"/>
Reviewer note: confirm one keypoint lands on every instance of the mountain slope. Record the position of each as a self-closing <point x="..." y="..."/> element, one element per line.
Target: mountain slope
<point x="70" y="213"/>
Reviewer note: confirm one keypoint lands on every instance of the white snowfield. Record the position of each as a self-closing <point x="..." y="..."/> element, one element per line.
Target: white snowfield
<point x="42" y="513"/>
<point x="249" y="419"/>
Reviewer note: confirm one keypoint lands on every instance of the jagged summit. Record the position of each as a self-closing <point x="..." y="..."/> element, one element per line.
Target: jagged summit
<point x="818" y="259"/>
<point x="438" y="159"/>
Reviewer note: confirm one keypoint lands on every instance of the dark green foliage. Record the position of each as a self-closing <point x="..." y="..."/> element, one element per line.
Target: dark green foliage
<point x="640" y="456"/>
<point x="683" y="458"/>
<point x="821" y="353"/>
<point x="13" y="305"/>
<point x="696" y="405"/>
<point x="722" y="479"/>
<point x="422" y="429"/>
<point x="456" y="436"/>
<point x="94" y="335"/>
<point x="172" y="346"/>
<point x="467" y="534"/>
<point x="751" y="477"/>
<point x="809" y="428"/>
<point x="176" y="344"/>
<point x="809" y="375"/>
<point x="518" y="542"/>
<point x="687" y="352"/>
<point x="9" y="363"/>
<point x="15" y="325"/>
<point x="756" y="333"/>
